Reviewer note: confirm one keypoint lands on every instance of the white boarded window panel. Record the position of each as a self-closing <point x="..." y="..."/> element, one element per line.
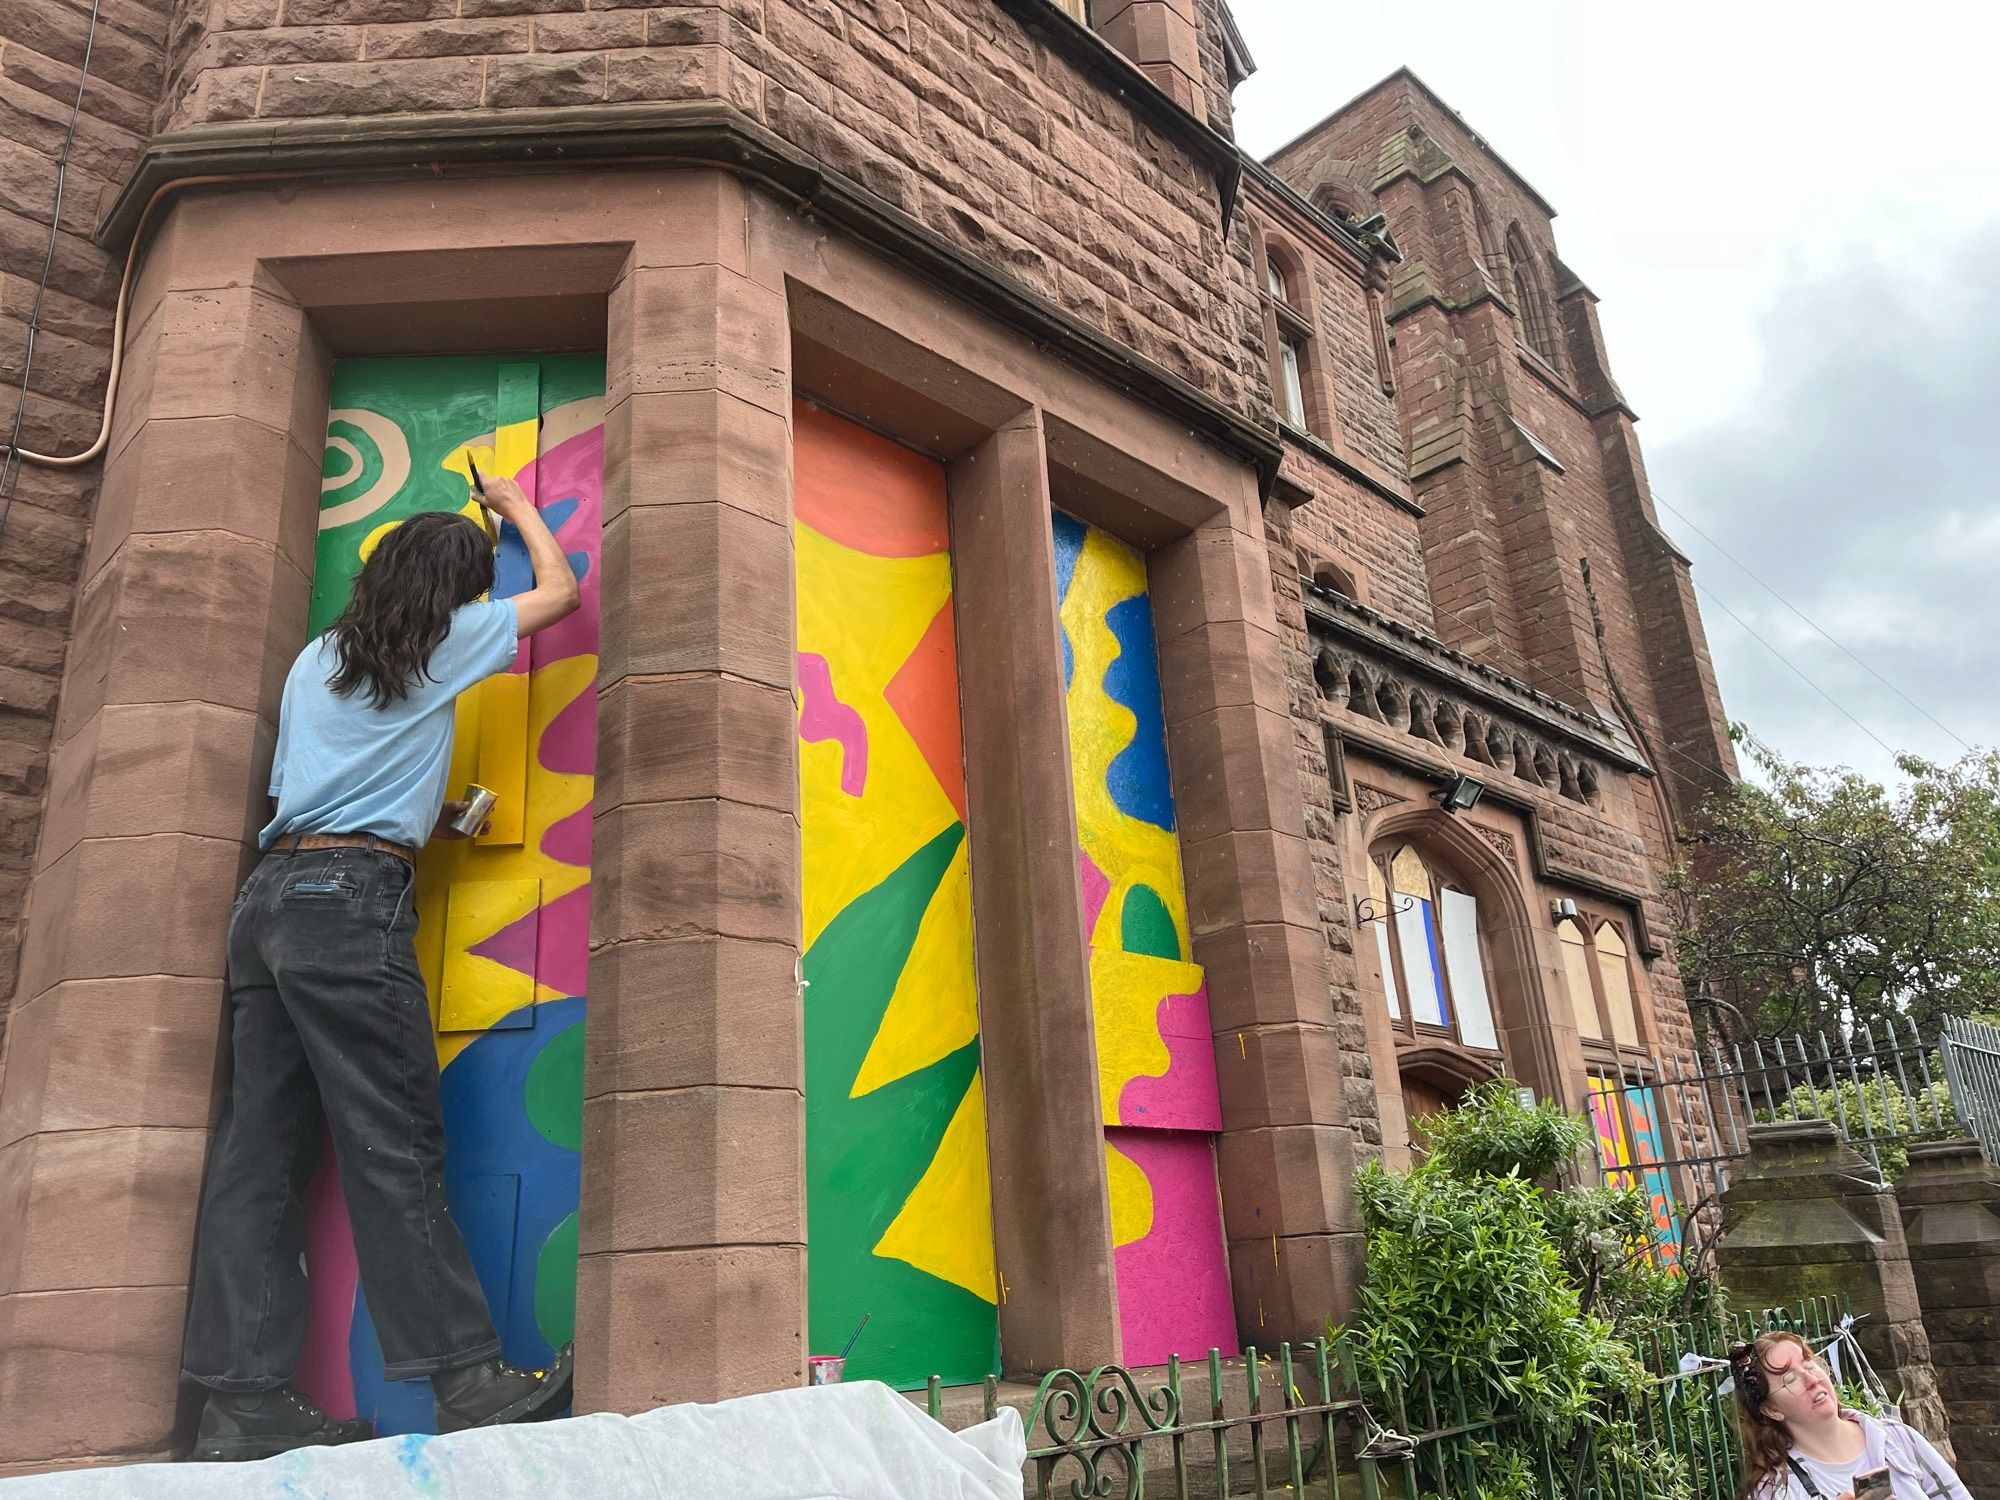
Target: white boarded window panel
<point x="1468" y="975"/>
<point x="1617" y="976"/>
<point x="1413" y="938"/>
<point x="1388" y="970"/>
<point x="1378" y="896"/>
<point x="1576" y="969"/>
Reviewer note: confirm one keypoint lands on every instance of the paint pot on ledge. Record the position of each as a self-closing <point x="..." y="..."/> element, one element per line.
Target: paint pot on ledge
<point x="825" y="1369"/>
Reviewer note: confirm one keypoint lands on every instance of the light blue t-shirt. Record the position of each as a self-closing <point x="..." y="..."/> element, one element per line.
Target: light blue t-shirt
<point x="344" y="766"/>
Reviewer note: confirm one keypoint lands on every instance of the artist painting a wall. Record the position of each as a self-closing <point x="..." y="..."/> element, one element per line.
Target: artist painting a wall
<point x="503" y="917"/>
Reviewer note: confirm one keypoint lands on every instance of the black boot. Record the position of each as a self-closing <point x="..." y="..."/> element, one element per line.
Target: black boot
<point x="262" y="1424"/>
<point x="495" y="1393"/>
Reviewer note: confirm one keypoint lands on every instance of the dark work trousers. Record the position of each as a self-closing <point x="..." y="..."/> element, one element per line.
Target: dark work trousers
<point x="328" y="1008"/>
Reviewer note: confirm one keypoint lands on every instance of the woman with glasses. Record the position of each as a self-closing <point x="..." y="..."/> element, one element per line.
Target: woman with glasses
<point x="1799" y="1443"/>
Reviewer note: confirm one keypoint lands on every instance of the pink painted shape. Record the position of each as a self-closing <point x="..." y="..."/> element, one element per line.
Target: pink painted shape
<point x="569" y="744"/>
<point x="574" y="468"/>
<point x="1096" y="888"/>
<point x="513" y="945"/>
<point x="562" y="960"/>
<point x="1185" y="1097"/>
<point x="1173" y="1285"/>
<point x="324" y="1373"/>
<point x="569" y="839"/>
<point x="822" y="716"/>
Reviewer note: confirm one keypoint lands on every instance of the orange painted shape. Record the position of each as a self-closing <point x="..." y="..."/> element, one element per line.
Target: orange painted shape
<point x="864" y="491"/>
<point x="924" y="694"/>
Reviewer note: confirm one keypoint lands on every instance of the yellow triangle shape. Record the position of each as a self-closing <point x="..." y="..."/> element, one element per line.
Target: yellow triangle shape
<point x="935" y="1010"/>
<point x="946" y="1228"/>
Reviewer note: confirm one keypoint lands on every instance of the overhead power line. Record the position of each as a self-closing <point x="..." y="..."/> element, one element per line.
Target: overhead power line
<point x="1827" y="635"/>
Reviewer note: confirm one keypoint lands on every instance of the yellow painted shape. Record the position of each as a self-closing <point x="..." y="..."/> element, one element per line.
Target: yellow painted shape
<point x="503" y="754"/>
<point x="1130" y="851"/>
<point x="1125" y="994"/>
<point x="865" y="615"/>
<point x="935" y="1009"/>
<point x="551" y="797"/>
<point x="374" y="539"/>
<point x="945" y="1228"/>
<point x="513" y="447"/>
<point x="1131" y="1198"/>
<point x="476" y="991"/>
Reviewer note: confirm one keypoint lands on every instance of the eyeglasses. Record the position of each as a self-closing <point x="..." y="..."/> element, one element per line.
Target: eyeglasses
<point x="1756" y="1378"/>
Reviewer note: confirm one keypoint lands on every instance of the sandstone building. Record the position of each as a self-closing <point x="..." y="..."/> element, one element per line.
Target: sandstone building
<point x="981" y="856"/>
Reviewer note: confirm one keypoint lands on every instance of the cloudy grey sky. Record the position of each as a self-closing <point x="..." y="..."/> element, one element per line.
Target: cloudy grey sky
<point x="1793" y="220"/>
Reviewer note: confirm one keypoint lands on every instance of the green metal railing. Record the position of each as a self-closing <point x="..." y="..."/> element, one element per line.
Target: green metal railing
<point x="1293" y="1423"/>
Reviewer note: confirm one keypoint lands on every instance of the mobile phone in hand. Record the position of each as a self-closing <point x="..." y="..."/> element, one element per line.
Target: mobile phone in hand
<point x="1874" y="1485"/>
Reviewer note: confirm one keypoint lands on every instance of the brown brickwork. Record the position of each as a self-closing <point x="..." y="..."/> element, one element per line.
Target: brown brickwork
<point x="1950" y="1199"/>
<point x="47" y="511"/>
<point x="953" y="112"/>
<point x="1531" y="519"/>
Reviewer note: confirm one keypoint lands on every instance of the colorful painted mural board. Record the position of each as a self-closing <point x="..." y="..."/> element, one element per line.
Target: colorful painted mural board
<point x="1156" y="1058"/>
<point x="899" y="1219"/>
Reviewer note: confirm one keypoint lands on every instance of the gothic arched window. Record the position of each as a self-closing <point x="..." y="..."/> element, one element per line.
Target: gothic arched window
<point x="1537" y="327"/>
<point x="1426" y="922"/>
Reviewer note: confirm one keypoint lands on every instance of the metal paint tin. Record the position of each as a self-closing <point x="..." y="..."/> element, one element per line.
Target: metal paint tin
<point x="479" y="802"/>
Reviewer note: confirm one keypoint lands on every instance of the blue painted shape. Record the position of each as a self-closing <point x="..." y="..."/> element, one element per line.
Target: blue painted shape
<point x="512" y="572"/>
<point x="1437" y="963"/>
<point x="1138" y="776"/>
<point x="509" y="1187"/>
<point x="394" y="1406"/>
<point x="1070" y="534"/>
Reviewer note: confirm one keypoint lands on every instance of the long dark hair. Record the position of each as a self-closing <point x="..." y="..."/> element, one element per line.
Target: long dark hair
<point x="419" y="573"/>
<point x="1767" y="1442"/>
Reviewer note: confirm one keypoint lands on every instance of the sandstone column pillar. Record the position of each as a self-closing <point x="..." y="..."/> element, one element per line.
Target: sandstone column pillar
<point x="1051" y="1212"/>
<point x="1286" y="1154"/>
<point x="691" y="1276"/>
<point x="193" y="604"/>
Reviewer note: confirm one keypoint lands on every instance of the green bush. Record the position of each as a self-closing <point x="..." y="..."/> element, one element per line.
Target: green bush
<point x="1517" y="1300"/>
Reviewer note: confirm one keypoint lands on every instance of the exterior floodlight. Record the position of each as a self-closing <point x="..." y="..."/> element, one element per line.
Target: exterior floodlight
<point x="1460" y="794"/>
<point x="1562" y="910"/>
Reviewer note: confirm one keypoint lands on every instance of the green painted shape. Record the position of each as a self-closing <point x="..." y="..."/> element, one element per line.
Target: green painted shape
<point x="437" y="404"/>
<point x="554" y="1089"/>
<point x="518" y="393"/>
<point x="865" y="1156"/>
<point x="555" y="1283"/>
<point x="1146" y="926"/>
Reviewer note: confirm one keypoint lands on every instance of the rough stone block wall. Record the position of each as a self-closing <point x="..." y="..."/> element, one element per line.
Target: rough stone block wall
<point x="1323" y="831"/>
<point x="1951" y="1218"/>
<point x="1368" y="420"/>
<point x="45" y="513"/>
<point x="952" y="112"/>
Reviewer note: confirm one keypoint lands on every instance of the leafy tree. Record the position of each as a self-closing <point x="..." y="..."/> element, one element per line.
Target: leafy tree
<point x="1821" y="899"/>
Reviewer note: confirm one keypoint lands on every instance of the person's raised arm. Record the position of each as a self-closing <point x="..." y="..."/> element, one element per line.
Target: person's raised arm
<point x="554" y="596"/>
